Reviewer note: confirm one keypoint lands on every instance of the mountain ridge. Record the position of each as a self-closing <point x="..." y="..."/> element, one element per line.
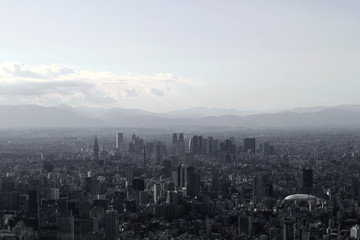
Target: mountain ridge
<point x="35" y="116"/>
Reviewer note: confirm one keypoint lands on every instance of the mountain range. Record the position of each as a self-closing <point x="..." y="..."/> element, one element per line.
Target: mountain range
<point x="63" y="116"/>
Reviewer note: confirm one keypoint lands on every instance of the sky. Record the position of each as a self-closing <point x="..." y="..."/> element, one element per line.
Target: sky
<point x="166" y="55"/>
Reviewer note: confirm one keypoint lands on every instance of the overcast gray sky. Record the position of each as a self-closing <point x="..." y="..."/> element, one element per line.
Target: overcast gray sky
<point x="166" y="55"/>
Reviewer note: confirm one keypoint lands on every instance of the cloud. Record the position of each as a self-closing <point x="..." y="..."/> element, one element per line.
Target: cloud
<point x="157" y="92"/>
<point x="57" y="84"/>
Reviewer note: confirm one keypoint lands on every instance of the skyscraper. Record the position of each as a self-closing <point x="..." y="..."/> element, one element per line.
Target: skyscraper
<point x="111" y="225"/>
<point x="119" y="139"/>
<point x="307" y="178"/>
<point x="157" y="190"/>
<point x="181" y="137"/>
<point x="96" y="149"/>
<point x="193" y="184"/>
<point x="257" y="189"/>
<point x="249" y="144"/>
<point x="34" y="201"/>
<point x="175" y="138"/>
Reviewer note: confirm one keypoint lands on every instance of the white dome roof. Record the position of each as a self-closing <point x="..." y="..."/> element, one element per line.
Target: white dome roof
<point x="301" y="197"/>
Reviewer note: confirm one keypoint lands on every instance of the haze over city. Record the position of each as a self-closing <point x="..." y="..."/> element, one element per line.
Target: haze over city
<point x="179" y="120"/>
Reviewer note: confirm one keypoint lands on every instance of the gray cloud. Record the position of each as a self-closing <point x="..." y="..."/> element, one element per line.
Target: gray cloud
<point x="157" y="92"/>
<point x="41" y="88"/>
<point x="42" y="72"/>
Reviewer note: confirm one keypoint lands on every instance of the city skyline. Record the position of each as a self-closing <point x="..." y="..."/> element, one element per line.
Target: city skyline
<point x="160" y="56"/>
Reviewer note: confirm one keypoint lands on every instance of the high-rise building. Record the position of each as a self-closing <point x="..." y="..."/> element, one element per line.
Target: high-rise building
<point x="195" y="145"/>
<point x="167" y="168"/>
<point x="189" y="159"/>
<point x="205" y="146"/>
<point x="244" y="225"/>
<point x="143" y="198"/>
<point x="158" y="153"/>
<point x="175" y="138"/>
<point x="178" y="144"/>
<point x="119" y="139"/>
<point x="138" y="184"/>
<point x="111" y="221"/>
<point x="34" y="201"/>
<point x="181" y="137"/>
<point x="307" y="178"/>
<point x="96" y="148"/>
<point x="66" y="226"/>
<point x="54" y="193"/>
<point x="172" y="198"/>
<point x="157" y="191"/>
<point x="249" y="144"/>
<point x="193" y="184"/>
<point x="257" y="189"/>
<point x="228" y="146"/>
<point x="215" y="183"/>
<point x="136" y="145"/>
<point x="129" y="173"/>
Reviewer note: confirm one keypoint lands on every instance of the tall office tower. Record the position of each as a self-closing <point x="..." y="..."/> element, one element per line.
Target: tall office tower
<point x="158" y="153"/>
<point x="66" y="226"/>
<point x="175" y="138"/>
<point x="174" y="160"/>
<point x="144" y="163"/>
<point x="181" y="144"/>
<point x="215" y="145"/>
<point x="143" y="198"/>
<point x="205" y="146"/>
<point x="34" y="206"/>
<point x="193" y="184"/>
<point x="129" y="173"/>
<point x="192" y="144"/>
<point x="138" y="184"/>
<point x="172" y="198"/>
<point x="354" y="190"/>
<point x="119" y="139"/>
<point x="228" y="146"/>
<point x="307" y="178"/>
<point x="181" y="137"/>
<point x="249" y="144"/>
<point x="157" y="191"/>
<point x="268" y="149"/>
<point x="244" y="225"/>
<point x="34" y="201"/>
<point x="257" y="189"/>
<point x="96" y="148"/>
<point x="111" y="225"/>
<point x="215" y="181"/>
<point x="54" y="194"/>
<point x="210" y="145"/>
<point x="189" y="159"/>
<point x="175" y="175"/>
<point x="182" y="176"/>
<point x="199" y="147"/>
<point x="167" y="168"/>
<point x="195" y="145"/>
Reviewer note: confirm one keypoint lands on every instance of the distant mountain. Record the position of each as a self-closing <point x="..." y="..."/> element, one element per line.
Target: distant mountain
<point x="33" y="116"/>
<point x="204" y="112"/>
<point x="353" y="107"/>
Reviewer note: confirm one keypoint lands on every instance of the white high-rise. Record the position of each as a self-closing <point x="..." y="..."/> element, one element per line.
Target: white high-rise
<point x="119" y="139"/>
